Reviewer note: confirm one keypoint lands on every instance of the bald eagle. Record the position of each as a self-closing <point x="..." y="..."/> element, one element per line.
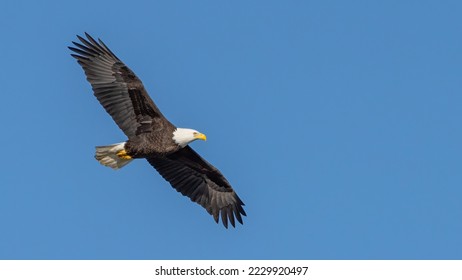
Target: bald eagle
<point x="151" y="136"/>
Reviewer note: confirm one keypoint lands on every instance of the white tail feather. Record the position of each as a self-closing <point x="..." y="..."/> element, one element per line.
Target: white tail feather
<point x="107" y="155"/>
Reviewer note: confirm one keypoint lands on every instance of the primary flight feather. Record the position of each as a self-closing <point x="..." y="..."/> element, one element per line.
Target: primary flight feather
<point x="151" y="135"/>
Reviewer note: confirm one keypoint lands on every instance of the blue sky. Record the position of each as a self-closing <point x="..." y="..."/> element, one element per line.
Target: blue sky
<point x="337" y="122"/>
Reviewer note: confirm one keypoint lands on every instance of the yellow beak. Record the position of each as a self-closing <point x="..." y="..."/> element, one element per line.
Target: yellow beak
<point x="201" y="136"/>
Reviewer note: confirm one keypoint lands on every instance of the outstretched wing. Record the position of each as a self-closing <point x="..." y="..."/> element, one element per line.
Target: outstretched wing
<point x="197" y="179"/>
<point x="116" y="87"/>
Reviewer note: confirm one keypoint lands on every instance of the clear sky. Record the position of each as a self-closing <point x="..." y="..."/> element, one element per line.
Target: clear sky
<point x="338" y="123"/>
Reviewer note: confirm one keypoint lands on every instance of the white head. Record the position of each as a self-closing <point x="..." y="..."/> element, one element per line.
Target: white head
<point x="184" y="136"/>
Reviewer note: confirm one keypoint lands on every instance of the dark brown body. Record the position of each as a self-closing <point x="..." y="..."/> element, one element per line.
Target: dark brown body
<point x="152" y="144"/>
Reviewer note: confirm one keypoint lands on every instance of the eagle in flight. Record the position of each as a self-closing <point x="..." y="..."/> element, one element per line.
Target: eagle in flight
<point x="151" y="136"/>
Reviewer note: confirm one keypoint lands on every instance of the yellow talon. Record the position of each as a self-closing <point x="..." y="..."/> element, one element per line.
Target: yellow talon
<point x="123" y="154"/>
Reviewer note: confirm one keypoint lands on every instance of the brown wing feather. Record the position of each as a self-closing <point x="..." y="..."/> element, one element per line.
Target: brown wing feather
<point x="116" y="87"/>
<point x="197" y="179"/>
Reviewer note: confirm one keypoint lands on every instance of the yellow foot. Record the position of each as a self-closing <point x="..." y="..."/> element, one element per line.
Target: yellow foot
<point x="123" y="154"/>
